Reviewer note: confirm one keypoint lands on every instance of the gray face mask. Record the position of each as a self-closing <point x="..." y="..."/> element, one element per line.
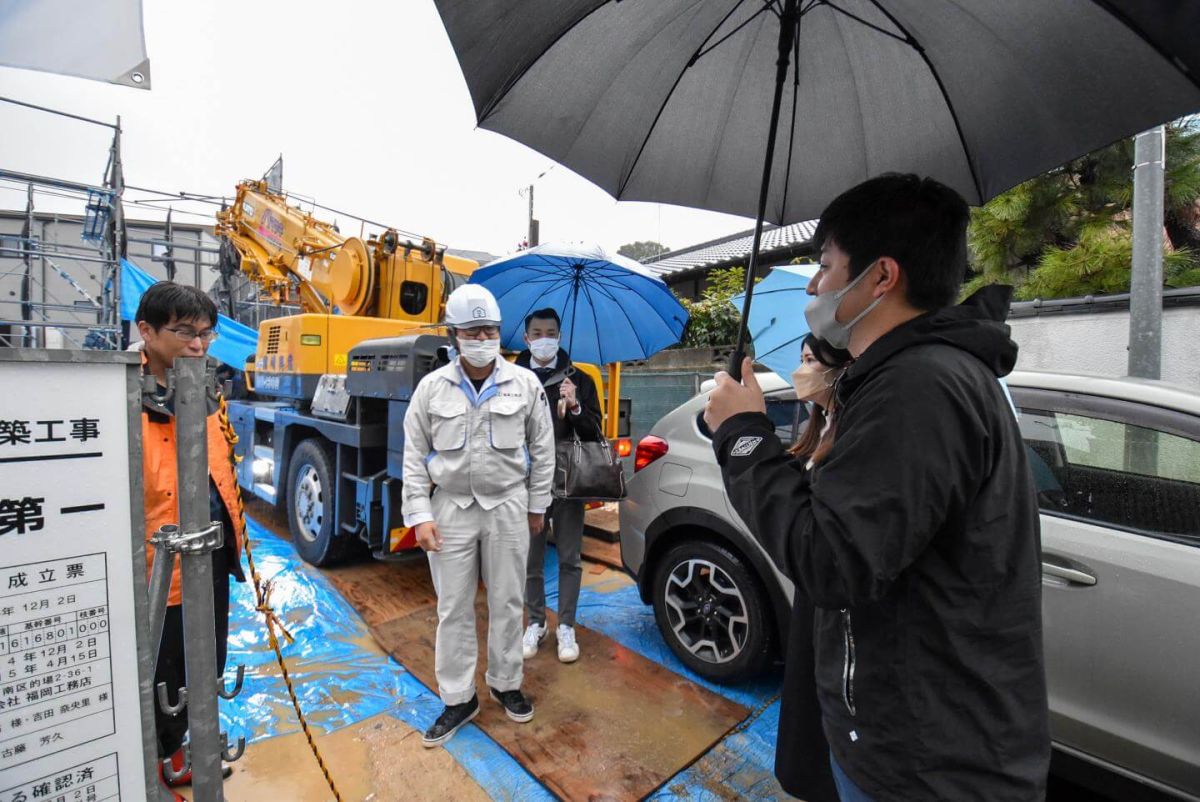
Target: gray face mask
<point x="821" y="314"/>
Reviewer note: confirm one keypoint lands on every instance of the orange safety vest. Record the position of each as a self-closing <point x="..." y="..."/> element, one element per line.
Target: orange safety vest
<point x="160" y="483"/>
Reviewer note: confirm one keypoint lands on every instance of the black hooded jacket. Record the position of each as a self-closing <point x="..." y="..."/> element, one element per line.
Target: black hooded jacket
<point x="587" y="423"/>
<point x="916" y="544"/>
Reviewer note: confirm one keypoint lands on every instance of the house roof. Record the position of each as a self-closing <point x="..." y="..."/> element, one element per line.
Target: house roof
<point x="483" y="257"/>
<point x="777" y="241"/>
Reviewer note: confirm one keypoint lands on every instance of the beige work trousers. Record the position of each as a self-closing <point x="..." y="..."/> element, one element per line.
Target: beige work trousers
<point x="495" y="543"/>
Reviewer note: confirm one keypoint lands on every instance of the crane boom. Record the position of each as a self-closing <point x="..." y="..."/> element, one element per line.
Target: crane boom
<point x="348" y="289"/>
<point x="297" y="259"/>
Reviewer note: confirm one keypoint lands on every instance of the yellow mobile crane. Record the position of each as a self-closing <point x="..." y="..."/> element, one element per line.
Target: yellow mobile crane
<point x="321" y="434"/>
<point x="349" y="290"/>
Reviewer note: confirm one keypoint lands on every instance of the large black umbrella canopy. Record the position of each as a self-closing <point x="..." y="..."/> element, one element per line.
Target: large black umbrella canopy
<point x="684" y="101"/>
<point x="670" y="100"/>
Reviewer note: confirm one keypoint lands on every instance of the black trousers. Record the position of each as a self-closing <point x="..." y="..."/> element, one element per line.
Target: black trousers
<point x="170" y="667"/>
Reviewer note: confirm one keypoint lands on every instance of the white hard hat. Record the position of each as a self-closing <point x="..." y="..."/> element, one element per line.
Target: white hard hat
<point x="472" y="305"/>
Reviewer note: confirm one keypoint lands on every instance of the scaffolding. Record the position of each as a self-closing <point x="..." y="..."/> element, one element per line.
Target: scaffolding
<point x="72" y="290"/>
<point x="83" y="320"/>
<point x="65" y="292"/>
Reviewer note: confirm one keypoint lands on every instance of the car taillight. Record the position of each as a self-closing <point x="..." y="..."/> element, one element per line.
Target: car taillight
<point x="649" y="448"/>
<point x="624" y="447"/>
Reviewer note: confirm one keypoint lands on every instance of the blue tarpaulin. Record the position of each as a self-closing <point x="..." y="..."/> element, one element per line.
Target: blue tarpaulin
<point x="341" y="681"/>
<point x="237" y="341"/>
<point x="338" y="679"/>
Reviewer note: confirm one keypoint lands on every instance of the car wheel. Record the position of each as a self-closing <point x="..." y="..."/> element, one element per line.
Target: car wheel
<point x="310" y="504"/>
<point x="712" y="611"/>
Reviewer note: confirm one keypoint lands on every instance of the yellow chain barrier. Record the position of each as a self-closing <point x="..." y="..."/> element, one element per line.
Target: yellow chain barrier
<point x="262" y="595"/>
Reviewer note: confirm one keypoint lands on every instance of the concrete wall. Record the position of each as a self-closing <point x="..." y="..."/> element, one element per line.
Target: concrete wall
<point x="1097" y="342"/>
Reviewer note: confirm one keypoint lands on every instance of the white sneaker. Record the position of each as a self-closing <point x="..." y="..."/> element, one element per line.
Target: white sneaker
<point x="568" y="649"/>
<point x="534" y="634"/>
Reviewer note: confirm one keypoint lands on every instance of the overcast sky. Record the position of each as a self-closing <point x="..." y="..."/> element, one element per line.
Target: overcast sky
<point x="365" y="101"/>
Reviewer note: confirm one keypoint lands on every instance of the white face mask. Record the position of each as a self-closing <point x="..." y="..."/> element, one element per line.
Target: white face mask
<point x="544" y="348"/>
<point x="479" y="353"/>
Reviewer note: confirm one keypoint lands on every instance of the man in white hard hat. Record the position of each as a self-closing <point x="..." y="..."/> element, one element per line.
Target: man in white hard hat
<point x="478" y="468"/>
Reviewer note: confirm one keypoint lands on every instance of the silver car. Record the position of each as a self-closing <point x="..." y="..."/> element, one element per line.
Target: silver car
<point x="1117" y="466"/>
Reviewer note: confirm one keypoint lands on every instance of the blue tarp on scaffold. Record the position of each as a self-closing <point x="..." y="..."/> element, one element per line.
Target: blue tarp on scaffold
<point x="236" y="342"/>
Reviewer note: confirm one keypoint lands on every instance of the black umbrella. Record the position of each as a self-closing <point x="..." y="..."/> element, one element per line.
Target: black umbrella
<point x="672" y="100"/>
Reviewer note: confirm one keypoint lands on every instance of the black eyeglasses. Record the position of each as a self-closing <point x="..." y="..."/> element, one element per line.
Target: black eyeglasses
<point x="480" y="333"/>
<point x="187" y="335"/>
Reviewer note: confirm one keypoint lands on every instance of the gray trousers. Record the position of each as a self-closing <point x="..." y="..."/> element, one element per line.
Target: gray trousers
<point x="495" y="543"/>
<point x="567" y="519"/>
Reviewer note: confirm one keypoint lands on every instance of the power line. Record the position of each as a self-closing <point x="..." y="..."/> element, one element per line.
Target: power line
<point x="215" y="200"/>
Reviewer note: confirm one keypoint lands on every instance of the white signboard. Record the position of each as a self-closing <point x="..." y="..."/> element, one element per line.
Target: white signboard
<point x="70" y="704"/>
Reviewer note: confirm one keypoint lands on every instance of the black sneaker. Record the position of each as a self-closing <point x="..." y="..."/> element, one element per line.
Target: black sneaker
<point x="449" y="722"/>
<point x="515" y="704"/>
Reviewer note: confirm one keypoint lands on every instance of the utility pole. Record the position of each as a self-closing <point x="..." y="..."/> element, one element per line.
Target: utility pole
<point x="169" y="253"/>
<point x="32" y="333"/>
<point x="1145" y="296"/>
<point x="533" y="223"/>
<point x="117" y="242"/>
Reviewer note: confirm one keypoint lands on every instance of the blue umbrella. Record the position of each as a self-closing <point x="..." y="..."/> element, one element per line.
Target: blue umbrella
<point x="612" y="308"/>
<point x="777" y="324"/>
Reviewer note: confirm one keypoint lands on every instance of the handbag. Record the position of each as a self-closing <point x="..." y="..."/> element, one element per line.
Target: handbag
<point x="587" y="470"/>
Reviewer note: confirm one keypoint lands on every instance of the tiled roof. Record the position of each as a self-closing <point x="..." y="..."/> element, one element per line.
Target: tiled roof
<point x="483" y="257"/>
<point x="734" y="249"/>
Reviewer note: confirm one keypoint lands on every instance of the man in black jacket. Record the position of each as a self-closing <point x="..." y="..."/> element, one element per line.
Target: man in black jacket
<point x="916" y="537"/>
<point x="575" y="408"/>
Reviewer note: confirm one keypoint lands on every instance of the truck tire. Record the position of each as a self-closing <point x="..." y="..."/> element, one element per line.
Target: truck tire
<point x="712" y="611"/>
<point x="310" y="505"/>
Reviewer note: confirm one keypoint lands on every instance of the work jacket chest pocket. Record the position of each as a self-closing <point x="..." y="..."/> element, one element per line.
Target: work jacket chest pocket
<point x="448" y="425"/>
<point x="507" y="424"/>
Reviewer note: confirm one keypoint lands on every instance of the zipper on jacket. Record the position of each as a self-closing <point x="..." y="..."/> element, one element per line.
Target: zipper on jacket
<point x="848" y="663"/>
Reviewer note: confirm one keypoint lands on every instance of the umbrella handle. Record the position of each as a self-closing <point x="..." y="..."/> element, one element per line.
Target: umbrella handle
<point x="735" y="362"/>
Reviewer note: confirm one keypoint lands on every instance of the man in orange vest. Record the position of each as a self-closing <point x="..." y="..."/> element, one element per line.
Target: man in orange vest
<point x="175" y="320"/>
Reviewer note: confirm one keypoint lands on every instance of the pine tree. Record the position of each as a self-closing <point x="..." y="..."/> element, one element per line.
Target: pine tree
<point x="1068" y="232"/>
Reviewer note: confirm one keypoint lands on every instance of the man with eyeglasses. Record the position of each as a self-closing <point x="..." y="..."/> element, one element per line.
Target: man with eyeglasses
<point x="174" y="321"/>
<point x="478" y="467"/>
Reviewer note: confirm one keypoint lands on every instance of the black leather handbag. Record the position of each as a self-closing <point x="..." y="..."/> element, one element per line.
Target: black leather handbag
<point x="587" y="470"/>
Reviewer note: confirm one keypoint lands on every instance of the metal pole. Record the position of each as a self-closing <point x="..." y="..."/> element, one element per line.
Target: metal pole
<point x="532" y="236"/>
<point x="117" y="233"/>
<point x="160" y="584"/>
<point x="27" y="279"/>
<point x="169" y="253"/>
<point x="16" y="102"/>
<point x="1145" y="292"/>
<point x="192" y="380"/>
<point x="43" y="262"/>
<point x="787" y="37"/>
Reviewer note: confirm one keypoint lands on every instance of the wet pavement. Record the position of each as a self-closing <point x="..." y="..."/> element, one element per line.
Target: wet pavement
<point x="368" y="721"/>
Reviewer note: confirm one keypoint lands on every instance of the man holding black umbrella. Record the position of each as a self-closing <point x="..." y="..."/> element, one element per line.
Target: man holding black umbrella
<point x="916" y="537"/>
<point x="576" y="409"/>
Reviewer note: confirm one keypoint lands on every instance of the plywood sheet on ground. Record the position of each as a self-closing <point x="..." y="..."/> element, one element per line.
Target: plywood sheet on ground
<point x="612" y="726"/>
<point x="603" y="523"/>
<point x="383" y="591"/>
<point x="379" y="758"/>
<point x="603" y="552"/>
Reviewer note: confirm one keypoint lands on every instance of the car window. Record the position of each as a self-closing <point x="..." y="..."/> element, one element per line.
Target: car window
<point x="787" y="415"/>
<point x="1114" y="472"/>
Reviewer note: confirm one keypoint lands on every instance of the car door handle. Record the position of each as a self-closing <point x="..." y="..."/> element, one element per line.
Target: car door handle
<point x="1067" y="574"/>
